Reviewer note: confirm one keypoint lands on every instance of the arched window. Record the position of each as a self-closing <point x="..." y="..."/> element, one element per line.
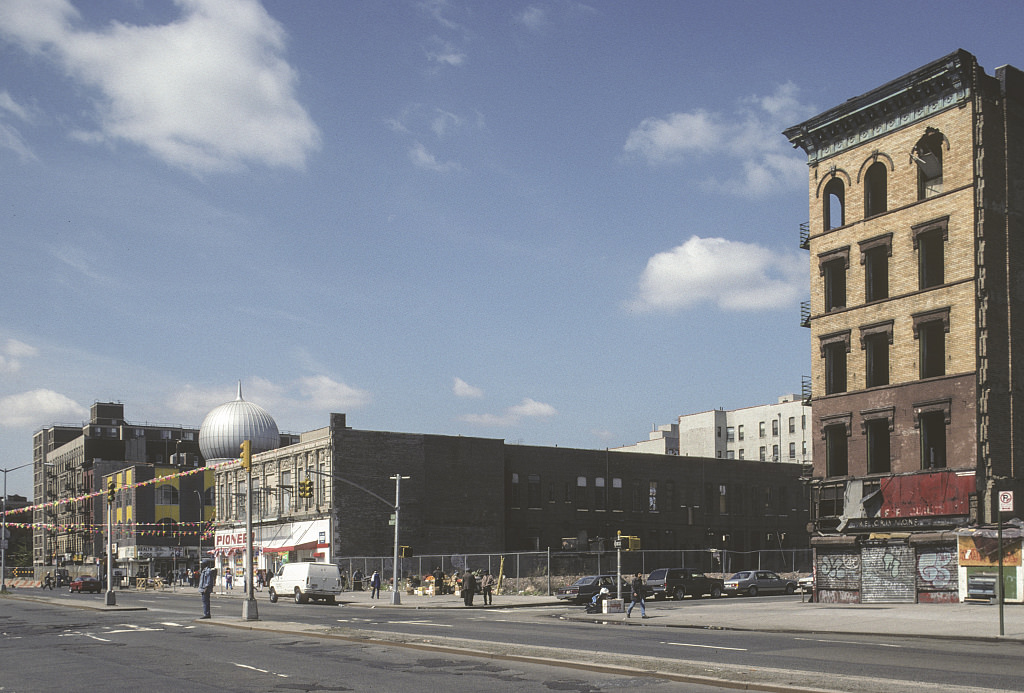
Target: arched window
<point x="927" y="153"/>
<point x="834" y="212"/>
<point x="875" y="194"/>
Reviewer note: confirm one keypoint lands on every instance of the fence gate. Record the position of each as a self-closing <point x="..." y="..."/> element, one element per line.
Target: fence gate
<point x="888" y="574"/>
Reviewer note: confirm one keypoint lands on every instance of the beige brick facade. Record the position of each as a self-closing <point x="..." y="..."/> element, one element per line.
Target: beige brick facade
<point x="968" y="400"/>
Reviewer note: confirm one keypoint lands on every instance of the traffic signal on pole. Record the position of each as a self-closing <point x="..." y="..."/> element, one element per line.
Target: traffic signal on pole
<point x="111" y="491"/>
<point x="306" y="488"/>
<point x="246" y="454"/>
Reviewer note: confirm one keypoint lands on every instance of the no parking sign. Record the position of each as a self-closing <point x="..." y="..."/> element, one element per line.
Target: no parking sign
<point x="1006" y="501"/>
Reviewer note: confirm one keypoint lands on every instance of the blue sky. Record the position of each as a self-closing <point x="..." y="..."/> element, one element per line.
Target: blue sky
<point x="556" y="223"/>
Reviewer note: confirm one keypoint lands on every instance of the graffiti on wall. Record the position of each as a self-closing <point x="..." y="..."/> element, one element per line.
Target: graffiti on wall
<point x="936" y="571"/>
<point x="839" y="570"/>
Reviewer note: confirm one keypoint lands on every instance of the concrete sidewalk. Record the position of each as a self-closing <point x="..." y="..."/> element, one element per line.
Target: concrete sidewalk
<point x="779" y="614"/>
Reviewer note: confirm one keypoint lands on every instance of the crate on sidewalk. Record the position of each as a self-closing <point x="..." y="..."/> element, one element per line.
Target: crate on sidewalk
<point x="613" y="606"/>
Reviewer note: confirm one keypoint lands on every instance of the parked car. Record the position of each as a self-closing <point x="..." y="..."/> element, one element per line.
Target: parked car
<point x="584" y="589"/>
<point x="755" y="582"/>
<point x="805" y="584"/>
<point x="86" y="583"/>
<point x="679" y="582"/>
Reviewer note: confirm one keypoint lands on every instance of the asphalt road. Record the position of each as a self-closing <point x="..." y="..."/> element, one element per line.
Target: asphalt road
<point x="761" y="659"/>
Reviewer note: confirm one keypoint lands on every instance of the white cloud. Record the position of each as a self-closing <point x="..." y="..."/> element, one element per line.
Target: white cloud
<point x="322" y="393"/>
<point x="308" y="395"/>
<point x="39" y="408"/>
<point x="463" y="389"/>
<point x="533" y="17"/>
<point x="749" y="138"/>
<point x="13" y="353"/>
<point x="10" y="136"/>
<point x="437" y="10"/>
<point x="445" y="53"/>
<point x="528" y="408"/>
<point x="208" y="92"/>
<point x="732" y="275"/>
<point x="422" y="158"/>
<point x="9" y="105"/>
<point x="667" y="139"/>
<point x="444" y="120"/>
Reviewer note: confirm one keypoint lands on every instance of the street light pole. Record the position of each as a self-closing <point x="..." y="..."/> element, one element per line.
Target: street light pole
<point x="396" y="598"/>
<point x="250" y="612"/>
<point x="3" y="532"/>
<point x="111" y="596"/>
<point x="202" y="518"/>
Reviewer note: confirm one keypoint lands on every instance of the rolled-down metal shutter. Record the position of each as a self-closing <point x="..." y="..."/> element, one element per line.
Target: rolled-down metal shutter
<point x="888" y="574"/>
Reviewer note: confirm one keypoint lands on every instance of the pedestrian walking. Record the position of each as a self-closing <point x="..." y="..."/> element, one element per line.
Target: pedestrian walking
<point x="228" y="578"/>
<point x="468" y="588"/>
<point x="638" y="594"/>
<point x="375" y="585"/>
<point x="207" y="578"/>
<point x="487" y="587"/>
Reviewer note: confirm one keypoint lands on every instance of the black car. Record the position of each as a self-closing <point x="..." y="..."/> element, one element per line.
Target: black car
<point x="679" y="582"/>
<point x="584" y="589"/>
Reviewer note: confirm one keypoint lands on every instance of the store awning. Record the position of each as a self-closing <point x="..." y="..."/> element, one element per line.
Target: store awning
<point x="304" y="536"/>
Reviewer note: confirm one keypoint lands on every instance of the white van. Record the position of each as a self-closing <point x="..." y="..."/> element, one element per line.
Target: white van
<point x="305" y="581"/>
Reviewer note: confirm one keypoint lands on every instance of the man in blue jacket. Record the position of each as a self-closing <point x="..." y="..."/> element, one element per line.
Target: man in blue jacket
<point x="207" y="579"/>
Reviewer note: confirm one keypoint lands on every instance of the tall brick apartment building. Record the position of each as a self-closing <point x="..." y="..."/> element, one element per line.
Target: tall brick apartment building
<point x="917" y="311"/>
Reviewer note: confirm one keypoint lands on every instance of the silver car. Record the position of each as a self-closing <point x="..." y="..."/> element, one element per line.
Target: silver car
<point x="755" y="582"/>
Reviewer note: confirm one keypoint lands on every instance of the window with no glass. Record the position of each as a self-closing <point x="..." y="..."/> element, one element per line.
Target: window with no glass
<point x="875" y="341"/>
<point x="930" y="330"/>
<point x="834" y="198"/>
<point x="874" y="256"/>
<point x="929" y="241"/>
<point x="875" y="189"/>
<point x="836" y="449"/>
<point x="834" y="348"/>
<point x="927" y="154"/>
<point x="833" y="274"/>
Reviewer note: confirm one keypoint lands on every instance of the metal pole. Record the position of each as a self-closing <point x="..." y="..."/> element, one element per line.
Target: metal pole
<point x="249" y="610"/>
<point x="999" y="581"/>
<point x="202" y="518"/>
<point x="111" y="597"/>
<point x="396" y="598"/>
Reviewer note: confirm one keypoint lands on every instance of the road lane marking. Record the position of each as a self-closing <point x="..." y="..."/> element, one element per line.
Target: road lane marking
<point x="86" y="635"/>
<point x="419" y="623"/>
<point x="262" y="671"/>
<point x="851" y="642"/>
<point x="709" y="647"/>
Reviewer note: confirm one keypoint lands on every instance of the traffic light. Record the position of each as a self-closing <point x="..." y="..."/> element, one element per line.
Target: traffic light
<point x="405" y="551"/>
<point x="306" y="488"/>
<point x="111" y="490"/>
<point x="246" y="454"/>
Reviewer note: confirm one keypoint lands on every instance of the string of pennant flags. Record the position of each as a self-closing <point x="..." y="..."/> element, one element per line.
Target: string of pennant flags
<point x="77" y="499"/>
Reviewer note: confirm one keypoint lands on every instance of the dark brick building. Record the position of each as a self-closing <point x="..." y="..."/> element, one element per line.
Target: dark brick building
<point x="479" y="495"/>
<point x="585" y="497"/>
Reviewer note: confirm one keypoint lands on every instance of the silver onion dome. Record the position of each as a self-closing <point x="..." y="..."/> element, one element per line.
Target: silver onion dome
<point x="226" y="426"/>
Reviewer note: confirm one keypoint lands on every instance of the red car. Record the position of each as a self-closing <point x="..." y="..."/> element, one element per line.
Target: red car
<point x="86" y="583"/>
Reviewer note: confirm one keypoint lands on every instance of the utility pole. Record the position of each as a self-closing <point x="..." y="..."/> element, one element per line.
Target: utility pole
<point x="250" y="612"/>
<point x="3" y="531"/>
<point x="396" y="597"/>
<point x="111" y="596"/>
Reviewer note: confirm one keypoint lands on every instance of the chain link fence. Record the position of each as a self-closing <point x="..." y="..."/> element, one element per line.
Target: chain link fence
<point x="542" y="572"/>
